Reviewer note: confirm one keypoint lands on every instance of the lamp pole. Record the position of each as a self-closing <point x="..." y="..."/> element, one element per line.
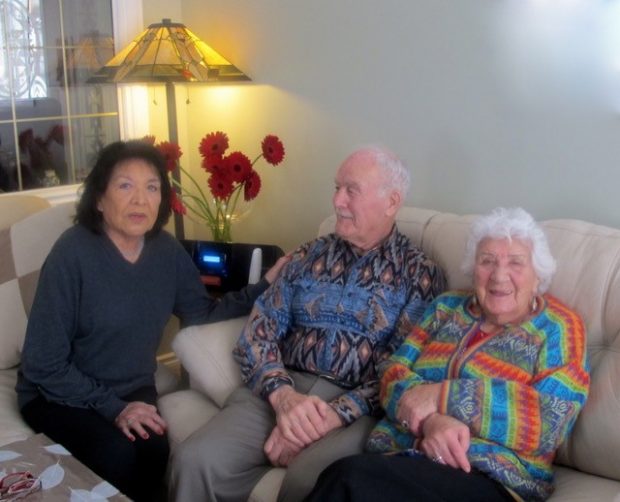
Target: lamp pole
<point x="173" y="136"/>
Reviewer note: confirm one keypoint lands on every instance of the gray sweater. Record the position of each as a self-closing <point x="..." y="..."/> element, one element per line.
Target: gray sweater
<point x="97" y="320"/>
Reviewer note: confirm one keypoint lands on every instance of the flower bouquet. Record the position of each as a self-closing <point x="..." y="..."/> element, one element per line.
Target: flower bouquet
<point x="230" y="177"/>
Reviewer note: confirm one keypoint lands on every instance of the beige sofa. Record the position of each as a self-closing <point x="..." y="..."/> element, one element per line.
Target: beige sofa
<point x="28" y="228"/>
<point x="588" y="279"/>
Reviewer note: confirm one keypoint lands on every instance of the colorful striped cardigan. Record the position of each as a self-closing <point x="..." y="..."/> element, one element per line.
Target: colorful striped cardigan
<point x="519" y="391"/>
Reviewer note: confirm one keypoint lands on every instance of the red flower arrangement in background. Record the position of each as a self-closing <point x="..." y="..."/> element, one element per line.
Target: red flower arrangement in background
<point x="229" y="176"/>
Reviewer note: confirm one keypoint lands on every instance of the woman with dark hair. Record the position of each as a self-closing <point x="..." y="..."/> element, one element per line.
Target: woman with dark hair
<point x="105" y="293"/>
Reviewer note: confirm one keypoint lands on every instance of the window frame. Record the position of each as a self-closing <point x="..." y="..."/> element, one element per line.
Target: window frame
<point x="127" y="21"/>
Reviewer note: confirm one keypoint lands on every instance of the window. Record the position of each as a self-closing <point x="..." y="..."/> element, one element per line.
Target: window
<point x="52" y="121"/>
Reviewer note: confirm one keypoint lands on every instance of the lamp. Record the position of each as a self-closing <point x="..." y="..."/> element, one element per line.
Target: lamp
<point x="168" y="52"/>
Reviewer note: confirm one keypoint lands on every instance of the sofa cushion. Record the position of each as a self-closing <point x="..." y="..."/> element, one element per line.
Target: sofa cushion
<point x="444" y="241"/>
<point x="17" y="206"/>
<point x="205" y="352"/>
<point x="188" y="410"/>
<point x="575" y="486"/>
<point x="13" y="426"/>
<point x="588" y="279"/>
<point x="268" y="486"/>
<point x="23" y="248"/>
<point x="12" y="312"/>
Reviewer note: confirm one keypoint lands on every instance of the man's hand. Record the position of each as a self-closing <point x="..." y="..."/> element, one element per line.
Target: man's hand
<point x="137" y="415"/>
<point x="446" y="440"/>
<point x="302" y="419"/>
<point x="416" y="404"/>
<point x="279" y="450"/>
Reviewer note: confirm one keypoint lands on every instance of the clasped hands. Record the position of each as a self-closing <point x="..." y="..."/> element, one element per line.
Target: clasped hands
<point x="138" y="415"/>
<point x="441" y="437"/>
<point x="300" y="420"/>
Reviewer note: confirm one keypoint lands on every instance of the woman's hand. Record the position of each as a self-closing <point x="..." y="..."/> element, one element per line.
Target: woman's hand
<point x="446" y="440"/>
<point x="416" y="405"/>
<point x="138" y="415"/>
<point x="272" y="274"/>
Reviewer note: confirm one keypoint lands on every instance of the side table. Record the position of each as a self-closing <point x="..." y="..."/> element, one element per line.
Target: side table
<point x="61" y="475"/>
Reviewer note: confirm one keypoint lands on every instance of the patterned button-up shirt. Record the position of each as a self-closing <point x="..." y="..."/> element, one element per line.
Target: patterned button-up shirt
<point x="337" y="313"/>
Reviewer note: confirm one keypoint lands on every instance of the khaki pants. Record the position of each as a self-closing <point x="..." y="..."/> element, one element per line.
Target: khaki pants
<point x="224" y="460"/>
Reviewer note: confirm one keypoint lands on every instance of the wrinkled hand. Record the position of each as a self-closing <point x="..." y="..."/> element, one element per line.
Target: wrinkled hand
<point x="138" y="415"/>
<point x="446" y="440"/>
<point x="279" y="450"/>
<point x="416" y="404"/>
<point x="302" y="419"/>
<point x="272" y="274"/>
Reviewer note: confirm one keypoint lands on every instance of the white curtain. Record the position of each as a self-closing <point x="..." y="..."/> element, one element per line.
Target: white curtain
<point x="132" y="98"/>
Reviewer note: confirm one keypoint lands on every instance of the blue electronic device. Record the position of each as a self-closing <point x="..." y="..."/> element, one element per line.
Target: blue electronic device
<point x="212" y="260"/>
<point x="226" y="266"/>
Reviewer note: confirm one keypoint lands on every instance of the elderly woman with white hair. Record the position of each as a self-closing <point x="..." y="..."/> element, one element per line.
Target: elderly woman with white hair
<point x="485" y="388"/>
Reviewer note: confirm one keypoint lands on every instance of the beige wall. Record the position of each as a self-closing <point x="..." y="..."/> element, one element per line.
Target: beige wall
<point x="490" y="103"/>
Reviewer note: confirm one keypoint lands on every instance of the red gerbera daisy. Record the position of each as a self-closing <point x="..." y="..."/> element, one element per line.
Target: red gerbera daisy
<point x="171" y="152"/>
<point x="251" y="186"/>
<point x="176" y="204"/>
<point x="273" y="149"/>
<point x="220" y="185"/>
<point x="239" y="166"/>
<point x="215" y="164"/>
<point x="214" y="143"/>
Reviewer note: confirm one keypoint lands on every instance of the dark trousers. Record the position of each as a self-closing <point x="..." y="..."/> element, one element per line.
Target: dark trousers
<point x="136" y="468"/>
<point x="371" y="477"/>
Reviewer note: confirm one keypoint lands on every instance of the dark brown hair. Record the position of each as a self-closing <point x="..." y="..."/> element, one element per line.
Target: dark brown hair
<point x="97" y="181"/>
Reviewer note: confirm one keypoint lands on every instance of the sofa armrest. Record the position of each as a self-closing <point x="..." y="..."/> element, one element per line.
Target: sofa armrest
<point x="166" y="380"/>
<point x="185" y="411"/>
<point x="205" y="352"/>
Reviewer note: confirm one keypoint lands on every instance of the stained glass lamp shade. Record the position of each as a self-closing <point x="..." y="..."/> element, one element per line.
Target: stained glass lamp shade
<point x="168" y="52"/>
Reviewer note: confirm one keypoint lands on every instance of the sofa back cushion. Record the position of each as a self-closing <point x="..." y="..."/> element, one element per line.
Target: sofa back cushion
<point x="23" y="249"/>
<point x="588" y="279"/>
<point x="15" y="207"/>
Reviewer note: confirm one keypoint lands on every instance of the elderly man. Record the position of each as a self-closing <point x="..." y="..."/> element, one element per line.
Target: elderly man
<point x="310" y="350"/>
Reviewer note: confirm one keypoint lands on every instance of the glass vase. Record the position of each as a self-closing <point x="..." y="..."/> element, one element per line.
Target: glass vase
<point x="221" y="231"/>
<point x="221" y="227"/>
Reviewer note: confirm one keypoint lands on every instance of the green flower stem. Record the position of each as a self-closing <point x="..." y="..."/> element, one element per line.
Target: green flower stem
<point x="200" y="213"/>
<point x="202" y="194"/>
<point x="238" y="190"/>
<point x="201" y="210"/>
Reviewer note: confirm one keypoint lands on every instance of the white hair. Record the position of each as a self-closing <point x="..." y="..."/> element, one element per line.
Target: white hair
<point x="397" y="175"/>
<point x="512" y="223"/>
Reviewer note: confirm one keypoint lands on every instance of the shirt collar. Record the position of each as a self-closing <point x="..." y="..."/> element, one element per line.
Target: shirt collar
<point x="387" y="242"/>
